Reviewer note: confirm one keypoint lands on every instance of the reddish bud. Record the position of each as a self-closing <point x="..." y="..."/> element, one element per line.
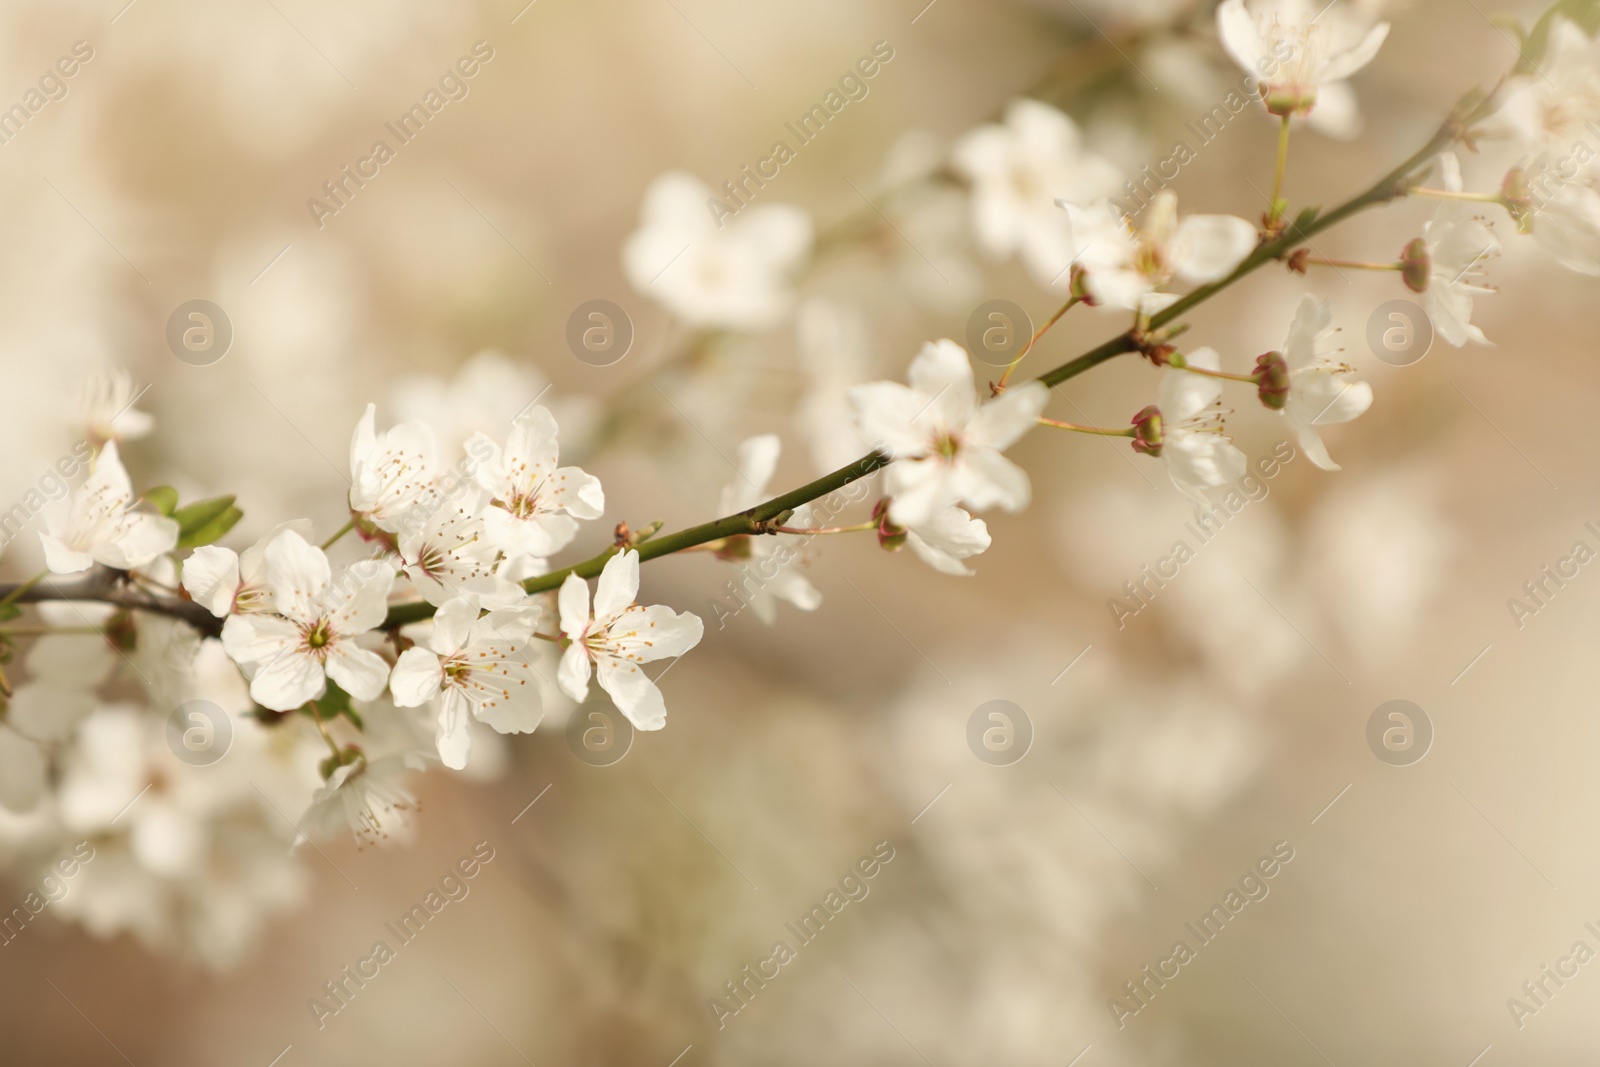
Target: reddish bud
<point x="1416" y="265"/>
<point x="1272" y="380"/>
<point x="1147" y="432"/>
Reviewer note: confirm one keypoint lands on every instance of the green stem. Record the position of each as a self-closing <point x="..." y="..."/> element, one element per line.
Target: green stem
<point x="346" y="528"/>
<point x="818" y="530"/>
<point x="1351" y="264"/>
<point x="1277" y="177"/>
<point x="1450" y="194"/>
<point x="1075" y="428"/>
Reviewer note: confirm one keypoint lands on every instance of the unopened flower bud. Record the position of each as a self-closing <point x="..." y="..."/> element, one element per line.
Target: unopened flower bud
<point x="1147" y="433"/>
<point x="1298" y="260"/>
<point x="891" y="538"/>
<point x="1272" y="380"/>
<point x="1416" y="265"/>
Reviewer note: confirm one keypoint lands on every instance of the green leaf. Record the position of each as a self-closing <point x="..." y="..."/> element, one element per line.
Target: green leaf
<point x="163" y="498"/>
<point x="334" y="703"/>
<point x="9" y="612"/>
<point x="194" y="516"/>
<point x="211" y="531"/>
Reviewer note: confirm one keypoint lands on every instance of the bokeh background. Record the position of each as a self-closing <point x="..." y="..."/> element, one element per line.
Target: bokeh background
<point x="1173" y="754"/>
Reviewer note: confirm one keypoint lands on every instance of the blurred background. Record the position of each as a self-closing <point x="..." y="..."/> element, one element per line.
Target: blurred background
<point x="1166" y="756"/>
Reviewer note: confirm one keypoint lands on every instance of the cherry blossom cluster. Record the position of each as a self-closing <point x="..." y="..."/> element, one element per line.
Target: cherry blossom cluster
<point x="341" y="676"/>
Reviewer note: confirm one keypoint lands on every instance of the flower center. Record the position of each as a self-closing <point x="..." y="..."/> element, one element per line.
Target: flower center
<point x="319" y="636"/>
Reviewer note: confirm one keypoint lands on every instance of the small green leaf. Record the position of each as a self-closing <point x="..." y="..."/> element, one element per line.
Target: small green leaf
<point x="210" y="532"/>
<point x="194" y="516"/>
<point x="9" y="612"/>
<point x="163" y="498"/>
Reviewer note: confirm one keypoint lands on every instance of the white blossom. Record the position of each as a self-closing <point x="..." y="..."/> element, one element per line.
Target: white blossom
<point x="394" y="476"/>
<point x="1320" y="392"/>
<point x="945" y="444"/>
<point x="100" y="523"/>
<point x="1549" y="111"/>
<point x="1459" y="243"/>
<point x="1125" y="264"/>
<point x="291" y="654"/>
<point x="1198" y="455"/>
<point x="1019" y="170"/>
<point x="949" y="536"/>
<point x="225" y="582"/>
<point x="712" y="270"/>
<point x="534" y="505"/>
<point x="1302" y="50"/>
<point x="472" y="668"/>
<point x="619" y="636"/>
<point x="365" y="795"/>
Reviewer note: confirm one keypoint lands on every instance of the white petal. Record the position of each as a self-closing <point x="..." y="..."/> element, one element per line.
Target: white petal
<point x="634" y="694"/>
<point x="1240" y="35"/>
<point x="618" y="585"/>
<point x="256" y="639"/>
<point x="985" y="479"/>
<point x="416" y="678"/>
<point x="1010" y="415"/>
<point x="59" y="559"/>
<point x="452" y="623"/>
<point x="360" y="599"/>
<point x="573" y="602"/>
<point x="146" y="537"/>
<point x="942" y="373"/>
<point x="1346" y="63"/>
<point x="573" y="674"/>
<point x="917" y="489"/>
<point x="655" y="632"/>
<point x="454" y="732"/>
<point x="360" y="673"/>
<point x="1207" y="248"/>
<point x="297" y="574"/>
<point x="886" y="414"/>
<point x="1184" y="395"/>
<point x="211" y="576"/>
<point x="289" y="679"/>
<point x="519" y="712"/>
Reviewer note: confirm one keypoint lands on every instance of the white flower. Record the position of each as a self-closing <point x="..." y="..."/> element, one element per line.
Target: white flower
<point x="1197" y="453"/>
<point x="99" y="524"/>
<point x="365" y="795"/>
<point x="291" y="654"/>
<point x="452" y="554"/>
<point x="1549" y="112"/>
<point x="394" y="476"/>
<point x="1567" y="226"/>
<point x="945" y="444"/>
<point x="1320" y="393"/>
<point x="1458" y="244"/>
<point x="1019" y="171"/>
<point x="758" y="458"/>
<point x="617" y="638"/>
<point x="478" y="668"/>
<point x="534" y="504"/>
<point x="109" y="414"/>
<point x="1299" y="49"/>
<point x="947" y="538"/>
<point x="225" y="582"/>
<point x="730" y="272"/>
<point x="1124" y="264"/>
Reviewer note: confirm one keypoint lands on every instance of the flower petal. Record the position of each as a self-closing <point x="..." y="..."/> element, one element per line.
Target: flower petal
<point x="1207" y="248"/>
<point x="634" y="694"/>
<point x="416" y="678"/>
<point x="618" y="586"/>
<point x="360" y="673"/>
<point x="211" y="576"/>
<point x="573" y="673"/>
